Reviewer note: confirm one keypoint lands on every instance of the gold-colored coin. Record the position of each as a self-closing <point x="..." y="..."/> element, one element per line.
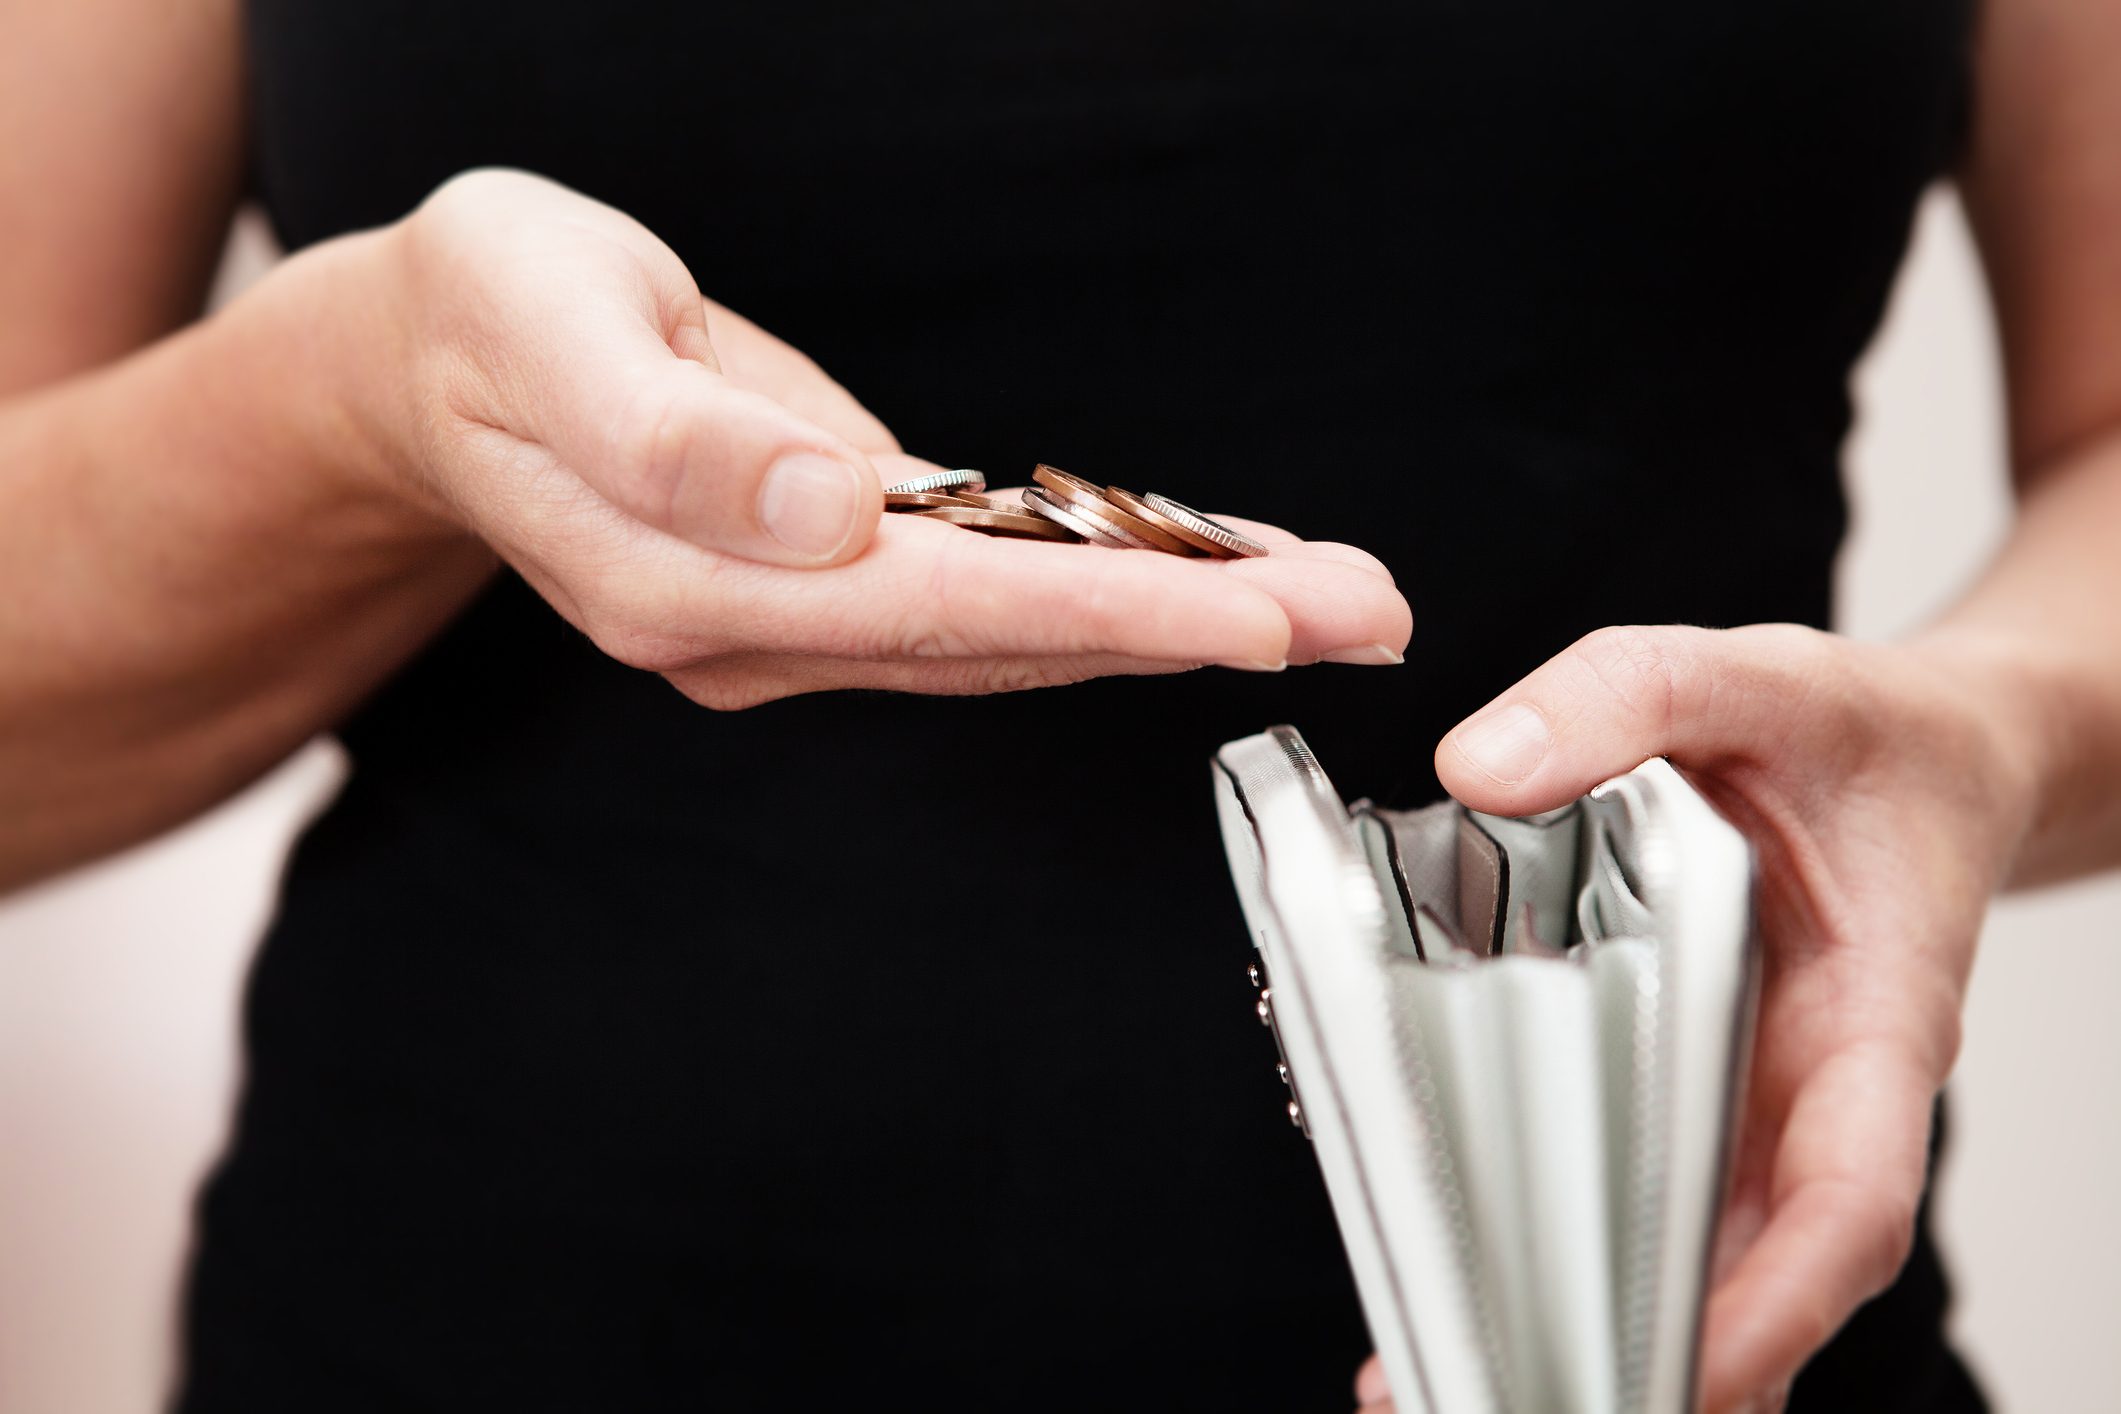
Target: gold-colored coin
<point x="1020" y="524"/>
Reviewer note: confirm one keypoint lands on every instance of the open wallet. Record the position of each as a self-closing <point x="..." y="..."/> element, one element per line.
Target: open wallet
<point x="1518" y="1046"/>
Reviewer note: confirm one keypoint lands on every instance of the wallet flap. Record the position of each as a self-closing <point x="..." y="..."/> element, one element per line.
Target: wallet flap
<point x="1691" y="873"/>
<point x="1319" y="918"/>
<point x="1543" y="854"/>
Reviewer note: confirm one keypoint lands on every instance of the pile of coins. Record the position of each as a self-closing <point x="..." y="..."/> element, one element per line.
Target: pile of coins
<point x="1071" y="510"/>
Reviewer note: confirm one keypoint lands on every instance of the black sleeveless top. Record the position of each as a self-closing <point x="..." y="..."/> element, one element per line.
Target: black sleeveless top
<point x="611" y="1054"/>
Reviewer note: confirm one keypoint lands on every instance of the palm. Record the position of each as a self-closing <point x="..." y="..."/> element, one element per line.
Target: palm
<point x="1869" y="913"/>
<point x="612" y="435"/>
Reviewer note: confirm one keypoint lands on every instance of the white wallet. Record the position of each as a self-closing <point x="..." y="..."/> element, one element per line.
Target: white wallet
<point x="1519" y="1048"/>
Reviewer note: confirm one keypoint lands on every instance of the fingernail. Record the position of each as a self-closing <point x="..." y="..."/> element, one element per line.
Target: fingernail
<point x="1505" y="746"/>
<point x="1374" y="655"/>
<point x="1256" y="665"/>
<point x="808" y="503"/>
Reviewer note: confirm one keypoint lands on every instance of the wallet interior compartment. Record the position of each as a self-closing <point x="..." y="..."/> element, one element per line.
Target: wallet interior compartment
<point x="1608" y="902"/>
<point x="1493" y="884"/>
<point x="1441" y="863"/>
<point x="1545" y="863"/>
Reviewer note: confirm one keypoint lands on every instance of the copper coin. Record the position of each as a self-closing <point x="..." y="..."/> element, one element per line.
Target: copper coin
<point x="1095" y="531"/>
<point x="1067" y="488"/>
<point x="923" y="500"/>
<point x="1061" y="482"/>
<point x="1109" y="511"/>
<point x="962" y="479"/>
<point x="988" y="500"/>
<point x="1192" y="527"/>
<point x="1017" y="523"/>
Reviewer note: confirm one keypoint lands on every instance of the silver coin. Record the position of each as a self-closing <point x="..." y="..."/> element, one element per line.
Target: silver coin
<point x="962" y="479"/>
<point x="1198" y="528"/>
<point x="1091" y="529"/>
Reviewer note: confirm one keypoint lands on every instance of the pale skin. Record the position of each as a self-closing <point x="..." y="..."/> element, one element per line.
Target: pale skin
<point x="216" y="537"/>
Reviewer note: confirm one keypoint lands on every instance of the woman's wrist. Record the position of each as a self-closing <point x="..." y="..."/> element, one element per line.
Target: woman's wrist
<point x="326" y="344"/>
<point x="2017" y="743"/>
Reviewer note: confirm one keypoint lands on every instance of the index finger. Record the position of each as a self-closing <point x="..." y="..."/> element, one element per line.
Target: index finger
<point x="929" y="590"/>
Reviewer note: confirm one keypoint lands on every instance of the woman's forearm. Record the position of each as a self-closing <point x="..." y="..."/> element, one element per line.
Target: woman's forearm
<point x="2040" y="635"/>
<point x="202" y="562"/>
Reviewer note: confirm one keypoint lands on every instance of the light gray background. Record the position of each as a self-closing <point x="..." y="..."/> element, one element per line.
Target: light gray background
<point x="118" y="985"/>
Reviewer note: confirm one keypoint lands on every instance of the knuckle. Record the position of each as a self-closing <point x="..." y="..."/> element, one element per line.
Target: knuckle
<point x="480" y="195"/>
<point x="1637" y="666"/>
<point x="644" y="443"/>
<point x="939" y="621"/>
<point x="1798" y="642"/>
<point x="888" y="629"/>
<point x="1790" y="659"/>
<point x="458" y="214"/>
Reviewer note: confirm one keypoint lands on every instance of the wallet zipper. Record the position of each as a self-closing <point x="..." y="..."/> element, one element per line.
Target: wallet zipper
<point x="1459" y="1222"/>
<point x="1641" y="1264"/>
<point x="1647" y="1162"/>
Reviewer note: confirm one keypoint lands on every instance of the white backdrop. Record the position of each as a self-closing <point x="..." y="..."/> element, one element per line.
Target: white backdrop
<point x="118" y="986"/>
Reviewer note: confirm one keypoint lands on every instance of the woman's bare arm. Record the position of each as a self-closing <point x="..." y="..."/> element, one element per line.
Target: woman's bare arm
<point x="186" y="590"/>
<point x="2043" y="188"/>
<point x="121" y="154"/>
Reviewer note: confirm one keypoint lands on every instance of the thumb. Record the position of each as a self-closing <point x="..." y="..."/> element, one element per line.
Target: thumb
<point x="671" y="441"/>
<point x="1619" y="696"/>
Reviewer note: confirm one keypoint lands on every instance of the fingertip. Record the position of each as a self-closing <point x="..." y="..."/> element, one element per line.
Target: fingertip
<point x="1488" y="760"/>
<point x="1336" y="610"/>
<point x="1370" y="1385"/>
<point x="1371" y="655"/>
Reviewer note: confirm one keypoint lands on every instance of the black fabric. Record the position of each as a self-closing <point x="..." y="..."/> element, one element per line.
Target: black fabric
<point x="612" y="1054"/>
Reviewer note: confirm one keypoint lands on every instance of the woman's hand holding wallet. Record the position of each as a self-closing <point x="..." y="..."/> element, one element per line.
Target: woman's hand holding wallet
<point x="1886" y="790"/>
